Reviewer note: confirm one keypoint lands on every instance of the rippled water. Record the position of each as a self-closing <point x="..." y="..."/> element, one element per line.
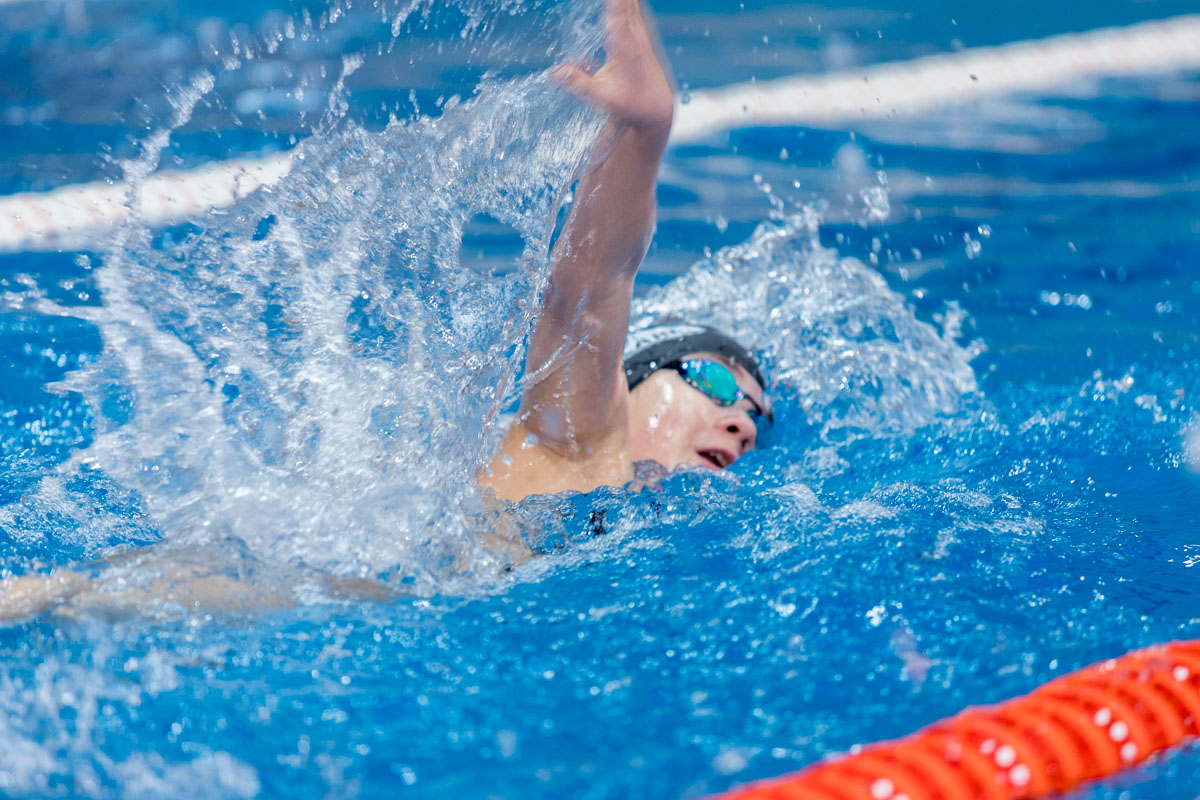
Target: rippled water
<point x="980" y="328"/>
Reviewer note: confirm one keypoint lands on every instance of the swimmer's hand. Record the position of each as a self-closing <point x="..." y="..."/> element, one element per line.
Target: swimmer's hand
<point x="26" y="596"/>
<point x="632" y="86"/>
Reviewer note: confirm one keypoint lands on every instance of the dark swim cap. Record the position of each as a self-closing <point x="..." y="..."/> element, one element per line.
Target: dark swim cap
<point x="648" y="349"/>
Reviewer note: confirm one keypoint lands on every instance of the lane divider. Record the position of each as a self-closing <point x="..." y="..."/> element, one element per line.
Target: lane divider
<point x="71" y="216"/>
<point x="908" y="88"/>
<point x="1076" y="728"/>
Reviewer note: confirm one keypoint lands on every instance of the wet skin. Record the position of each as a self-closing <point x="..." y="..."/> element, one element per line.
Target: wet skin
<point x="579" y="426"/>
<point x="668" y="421"/>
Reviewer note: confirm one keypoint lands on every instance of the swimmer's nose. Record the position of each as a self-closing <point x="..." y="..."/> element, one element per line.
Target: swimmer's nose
<point x="743" y="430"/>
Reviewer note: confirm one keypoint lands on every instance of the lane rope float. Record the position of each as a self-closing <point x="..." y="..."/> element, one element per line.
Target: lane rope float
<point x="72" y="216"/>
<point x="1073" y="729"/>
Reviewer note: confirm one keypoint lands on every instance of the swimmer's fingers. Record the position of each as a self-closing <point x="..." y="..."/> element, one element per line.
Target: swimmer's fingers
<point x="595" y="89"/>
<point x="29" y="595"/>
<point x="578" y="81"/>
<point x="632" y="86"/>
<point x="624" y="26"/>
<point x="621" y="92"/>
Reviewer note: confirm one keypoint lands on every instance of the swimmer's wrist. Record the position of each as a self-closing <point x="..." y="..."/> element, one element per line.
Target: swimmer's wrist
<point x="649" y="136"/>
<point x="656" y="129"/>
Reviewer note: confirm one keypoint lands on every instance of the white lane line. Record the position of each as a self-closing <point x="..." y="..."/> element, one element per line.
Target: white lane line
<point x="888" y="91"/>
<point x="68" y="217"/>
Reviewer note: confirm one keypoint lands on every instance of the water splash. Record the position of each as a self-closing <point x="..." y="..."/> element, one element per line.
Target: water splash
<point x="320" y="388"/>
<point x="847" y="348"/>
<point x="312" y="379"/>
<point x="273" y="396"/>
<point x="315" y="374"/>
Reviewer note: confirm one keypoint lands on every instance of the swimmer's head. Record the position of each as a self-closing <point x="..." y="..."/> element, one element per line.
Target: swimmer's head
<point x="697" y="397"/>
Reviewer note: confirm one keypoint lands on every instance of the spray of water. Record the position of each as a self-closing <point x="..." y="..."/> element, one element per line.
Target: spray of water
<point x="313" y="376"/>
<point x="833" y="334"/>
<point x="312" y="379"/>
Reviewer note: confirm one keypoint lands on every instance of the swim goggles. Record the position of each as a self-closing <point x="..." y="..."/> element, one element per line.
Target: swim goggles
<point x="714" y="380"/>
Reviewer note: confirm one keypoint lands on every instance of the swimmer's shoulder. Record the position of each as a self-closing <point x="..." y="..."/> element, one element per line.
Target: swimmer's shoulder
<point x="523" y="465"/>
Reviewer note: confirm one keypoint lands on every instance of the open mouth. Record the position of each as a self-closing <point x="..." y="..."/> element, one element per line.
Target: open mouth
<point x="715" y="459"/>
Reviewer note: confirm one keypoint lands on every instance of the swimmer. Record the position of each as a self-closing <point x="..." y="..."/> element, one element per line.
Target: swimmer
<point x="598" y="401"/>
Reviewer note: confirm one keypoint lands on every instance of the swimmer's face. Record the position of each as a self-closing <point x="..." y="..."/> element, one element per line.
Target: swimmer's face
<point x="677" y="425"/>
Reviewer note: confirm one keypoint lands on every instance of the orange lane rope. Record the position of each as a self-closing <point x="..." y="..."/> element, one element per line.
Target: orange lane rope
<point x="1076" y="728"/>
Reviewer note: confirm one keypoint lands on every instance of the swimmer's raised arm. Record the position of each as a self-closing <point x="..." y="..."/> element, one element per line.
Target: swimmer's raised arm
<point x="578" y="407"/>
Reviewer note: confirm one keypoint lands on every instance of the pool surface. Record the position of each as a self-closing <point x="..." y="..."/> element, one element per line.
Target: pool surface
<point x="982" y="325"/>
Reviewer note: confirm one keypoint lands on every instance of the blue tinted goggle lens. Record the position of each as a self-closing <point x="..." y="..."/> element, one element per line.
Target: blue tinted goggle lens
<point x="715" y="381"/>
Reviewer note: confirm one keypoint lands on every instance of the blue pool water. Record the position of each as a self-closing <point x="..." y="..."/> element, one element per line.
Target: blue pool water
<point x="986" y="470"/>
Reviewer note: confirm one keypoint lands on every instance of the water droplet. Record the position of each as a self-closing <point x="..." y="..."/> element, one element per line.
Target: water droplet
<point x="878" y="206"/>
<point x="973" y="247"/>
